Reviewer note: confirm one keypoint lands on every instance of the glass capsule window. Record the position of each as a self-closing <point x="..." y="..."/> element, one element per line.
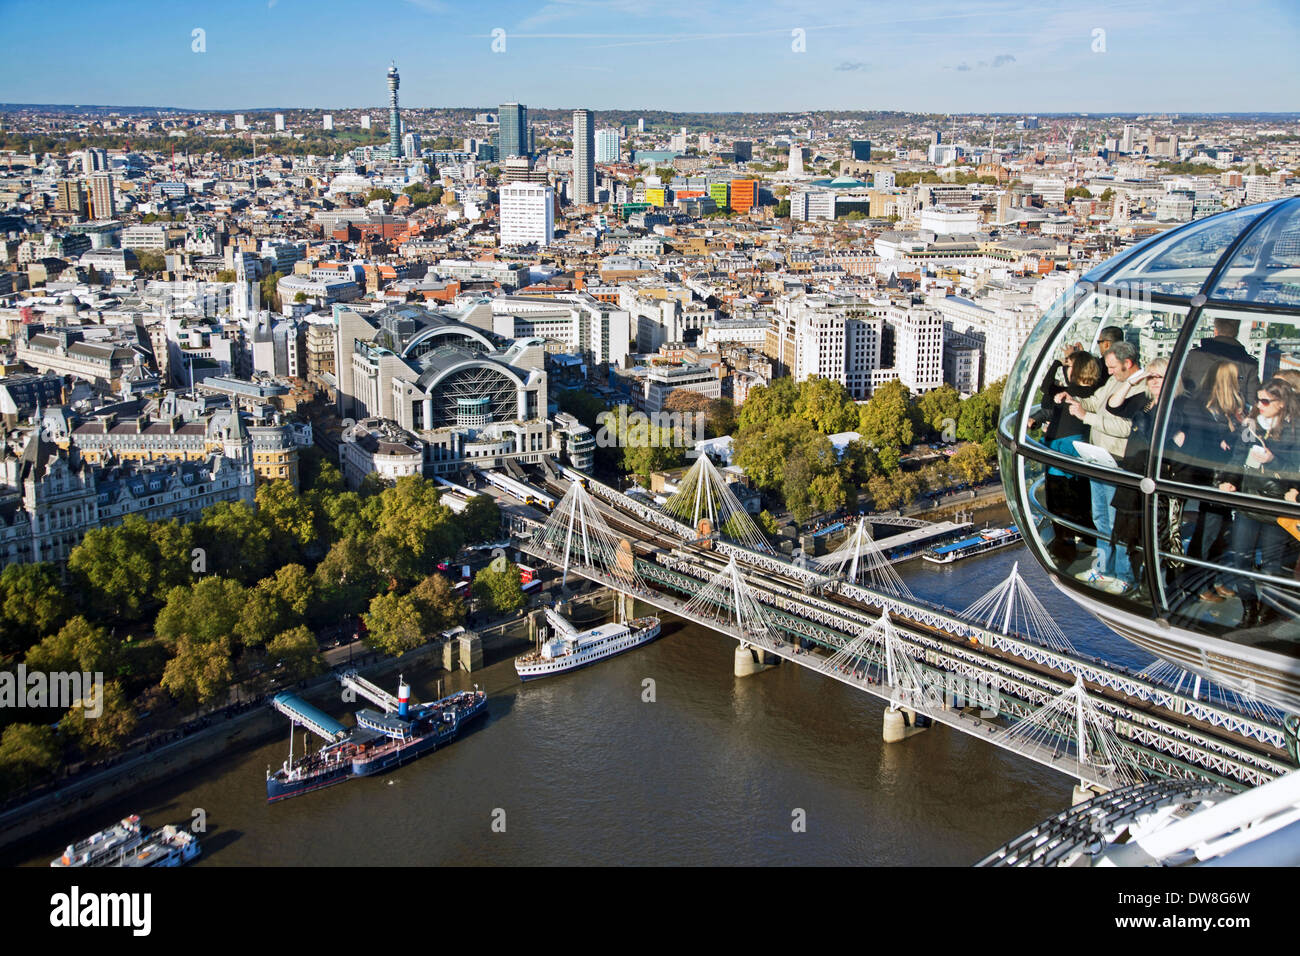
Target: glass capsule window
<point x="1150" y="431"/>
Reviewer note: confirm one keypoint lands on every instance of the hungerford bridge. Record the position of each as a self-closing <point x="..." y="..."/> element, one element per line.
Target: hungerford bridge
<point x="1000" y="670"/>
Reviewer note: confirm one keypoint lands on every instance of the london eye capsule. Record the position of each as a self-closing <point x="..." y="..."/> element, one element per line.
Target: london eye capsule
<point x="1150" y="447"/>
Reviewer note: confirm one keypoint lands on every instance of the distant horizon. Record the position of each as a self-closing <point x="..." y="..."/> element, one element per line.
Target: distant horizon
<point x="1089" y="114"/>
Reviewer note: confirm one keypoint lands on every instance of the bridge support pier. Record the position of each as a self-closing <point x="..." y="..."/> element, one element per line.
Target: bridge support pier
<point x="471" y="651"/>
<point x="899" y="725"/>
<point x="1082" y="793"/>
<point x="624" y="605"/>
<point x="750" y="660"/>
<point x="534" y="622"/>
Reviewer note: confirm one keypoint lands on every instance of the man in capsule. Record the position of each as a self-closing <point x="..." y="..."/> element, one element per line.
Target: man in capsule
<point x="1109" y="432"/>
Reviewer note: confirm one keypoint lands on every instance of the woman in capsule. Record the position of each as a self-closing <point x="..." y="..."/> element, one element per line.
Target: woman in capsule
<point x="1266" y="461"/>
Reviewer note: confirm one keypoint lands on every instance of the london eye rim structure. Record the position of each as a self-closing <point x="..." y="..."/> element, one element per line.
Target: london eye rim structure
<point x="1275" y="676"/>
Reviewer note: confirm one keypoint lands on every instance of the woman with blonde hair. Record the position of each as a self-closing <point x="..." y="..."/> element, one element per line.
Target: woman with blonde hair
<point x="1211" y="431"/>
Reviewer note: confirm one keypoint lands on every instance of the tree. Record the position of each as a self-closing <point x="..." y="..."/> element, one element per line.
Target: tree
<point x="939" y="409"/>
<point x="297" y="654"/>
<point x="439" y="605"/>
<point x="114" y="725"/>
<point x="501" y="589"/>
<point x="118" y="567"/>
<point x="783" y="209"/>
<point x="1107" y="195"/>
<point x="394" y="623"/>
<point x="288" y="517"/>
<point x="481" y="520"/>
<point x="270" y="290"/>
<point x="344" y="580"/>
<point x="300" y="297"/>
<point x="235" y="539"/>
<point x="979" y="414"/>
<point x="970" y="462"/>
<point x="385" y="195"/>
<point x="886" y="422"/>
<point x="32" y="605"/>
<point x="826" y="404"/>
<point x="173" y="542"/>
<point x="414" y="530"/>
<point x="206" y="612"/>
<point x="78" y="646"/>
<point x="201" y="670"/>
<point x="768" y="523"/>
<point x="150" y="262"/>
<point x="226" y="275"/>
<point x="722" y="417"/>
<point x="769" y="403"/>
<point x="28" y="754"/>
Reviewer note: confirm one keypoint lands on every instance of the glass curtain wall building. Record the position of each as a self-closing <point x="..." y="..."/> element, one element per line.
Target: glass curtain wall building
<point x="1150" y="446"/>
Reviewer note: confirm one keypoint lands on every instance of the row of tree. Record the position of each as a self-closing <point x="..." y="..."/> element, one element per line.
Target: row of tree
<point x="240" y="593"/>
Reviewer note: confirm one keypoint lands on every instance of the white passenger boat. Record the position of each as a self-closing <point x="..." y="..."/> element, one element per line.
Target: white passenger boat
<point x="568" y="649"/>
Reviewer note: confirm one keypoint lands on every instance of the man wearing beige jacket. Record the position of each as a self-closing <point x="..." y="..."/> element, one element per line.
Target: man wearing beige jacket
<point x="1110" y="570"/>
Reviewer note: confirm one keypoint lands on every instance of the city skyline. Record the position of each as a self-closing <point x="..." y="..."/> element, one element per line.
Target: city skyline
<point x="996" y="56"/>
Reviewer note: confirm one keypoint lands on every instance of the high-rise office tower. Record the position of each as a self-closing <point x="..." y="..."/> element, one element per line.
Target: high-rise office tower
<point x="70" y="197"/>
<point x="94" y="160"/>
<point x="861" y="149"/>
<point x="640" y="125"/>
<point x="394" y="118"/>
<point x="527" y="214"/>
<point x="327" y="122"/>
<point x="513" y="128"/>
<point x="411" y="144"/>
<point x="279" y="122"/>
<point x="240" y="122"/>
<point x="795" y="166"/>
<point x="101" y="195"/>
<point x="584" y="158"/>
<point x="608" y="146"/>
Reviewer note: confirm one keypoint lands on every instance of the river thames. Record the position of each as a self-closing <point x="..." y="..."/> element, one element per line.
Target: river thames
<point x="785" y="767"/>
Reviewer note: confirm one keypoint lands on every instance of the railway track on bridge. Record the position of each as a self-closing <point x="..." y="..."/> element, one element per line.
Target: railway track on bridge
<point x="1191" y="737"/>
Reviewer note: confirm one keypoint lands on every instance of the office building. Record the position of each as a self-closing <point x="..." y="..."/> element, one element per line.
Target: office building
<point x="240" y="121"/>
<point x="365" y="121"/>
<point x="744" y="194"/>
<point x="411" y="145"/>
<point x="513" y="130"/>
<point x="102" y="205"/>
<point x="70" y="198"/>
<point x="527" y="214"/>
<point x="861" y="150"/>
<point x="744" y="150"/>
<point x="584" y="158"/>
<point x="609" y="146"/>
<point x="327" y="122"/>
<point x="279" y="122"/>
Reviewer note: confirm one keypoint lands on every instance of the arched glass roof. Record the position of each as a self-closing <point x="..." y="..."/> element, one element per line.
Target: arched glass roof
<point x="1157" y="485"/>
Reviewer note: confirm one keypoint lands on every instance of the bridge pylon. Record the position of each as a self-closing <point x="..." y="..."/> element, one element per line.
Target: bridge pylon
<point x="578" y="534"/>
<point x="860" y="561"/>
<point x="703" y="496"/>
<point x="1012" y="607"/>
<point x="1072" y="730"/>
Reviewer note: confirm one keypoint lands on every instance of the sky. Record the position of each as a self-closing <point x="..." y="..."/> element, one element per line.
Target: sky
<point x="689" y="55"/>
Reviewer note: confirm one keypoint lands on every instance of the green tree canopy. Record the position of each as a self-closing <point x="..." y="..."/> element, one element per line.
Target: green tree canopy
<point x="885" y="422"/>
<point x="118" y="567"/>
<point x="32" y="605"/>
<point x="939" y="409"/>
<point x="108" y="731"/>
<point x="29" y="753"/>
<point x="501" y="590"/>
<point x="296" y="652"/>
<point x="481" y="520"/>
<point x="414" y="531"/>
